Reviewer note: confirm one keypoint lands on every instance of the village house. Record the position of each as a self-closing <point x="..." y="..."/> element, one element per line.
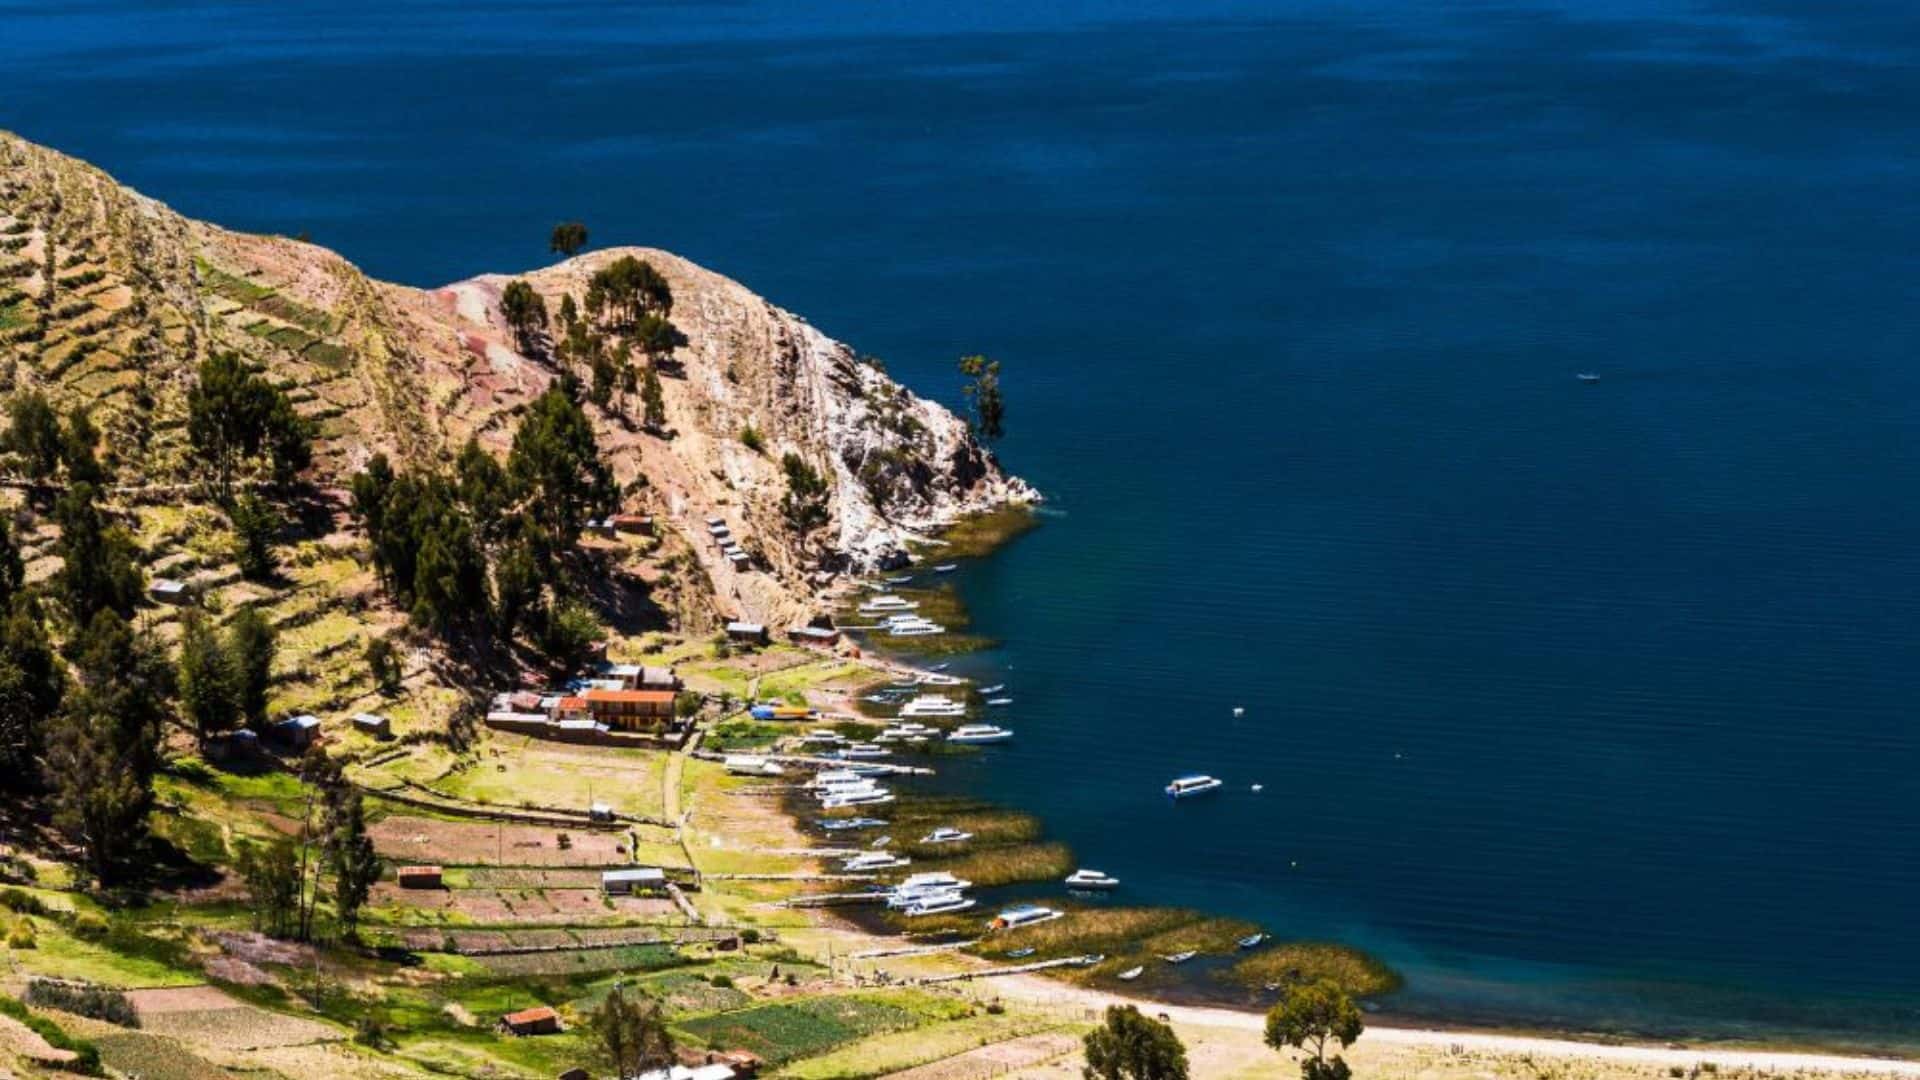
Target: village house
<point x="633" y="523"/>
<point x="298" y="732"/>
<point x="541" y="1020"/>
<point x="751" y="633"/>
<point x="629" y="710"/>
<point x="419" y="877"/>
<point x="169" y="591"/>
<point x="824" y="637"/>
<point x="632" y="881"/>
<point x="641" y="677"/>
<point x="373" y="724"/>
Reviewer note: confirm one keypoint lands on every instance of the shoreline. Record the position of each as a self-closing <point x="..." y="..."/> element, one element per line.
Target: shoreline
<point x="1790" y="1052"/>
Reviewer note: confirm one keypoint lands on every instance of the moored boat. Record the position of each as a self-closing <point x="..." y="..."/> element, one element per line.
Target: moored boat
<point x="1132" y="973"/>
<point x="1252" y="941"/>
<point x="1023" y="915"/>
<point x="946" y="835"/>
<point x="978" y="733"/>
<point x="1091" y="879"/>
<point x="1180" y="957"/>
<point x="1188" y="786"/>
<point x="945" y="904"/>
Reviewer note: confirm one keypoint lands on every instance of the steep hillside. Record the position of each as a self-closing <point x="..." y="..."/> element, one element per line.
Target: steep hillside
<point x="108" y="297"/>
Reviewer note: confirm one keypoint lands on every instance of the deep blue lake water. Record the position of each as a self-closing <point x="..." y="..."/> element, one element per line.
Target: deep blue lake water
<point x="1590" y="705"/>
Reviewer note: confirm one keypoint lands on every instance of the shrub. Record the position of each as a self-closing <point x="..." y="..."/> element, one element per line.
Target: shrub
<point x="89" y="924"/>
<point x="20" y="935"/>
<point x="750" y="936"/>
<point x="724" y="982"/>
<point x="21" y="902"/>
<point x="750" y="438"/>
<point x="88" y="1000"/>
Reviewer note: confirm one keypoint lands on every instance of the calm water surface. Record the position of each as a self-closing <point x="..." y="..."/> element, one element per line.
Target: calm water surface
<point x="1585" y="704"/>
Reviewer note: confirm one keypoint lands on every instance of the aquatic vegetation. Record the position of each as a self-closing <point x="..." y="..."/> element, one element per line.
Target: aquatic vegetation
<point x="1358" y="973"/>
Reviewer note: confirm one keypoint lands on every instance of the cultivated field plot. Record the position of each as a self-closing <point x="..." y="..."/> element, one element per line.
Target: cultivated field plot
<point x="586" y="962"/>
<point x="786" y="1030"/>
<point x="532" y="771"/>
<point x="152" y="1057"/>
<point x="208" y="1017"/>
<point x="486" y="941"/>
<point x="476" y="843"/>
<point x="521" y="905"/>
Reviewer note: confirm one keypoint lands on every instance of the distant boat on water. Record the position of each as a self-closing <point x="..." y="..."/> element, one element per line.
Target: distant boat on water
<point x="946" y="568"/>
<point x="1181" y="957"/>
<point x="1588" y="376"/>
<point x="1188" y="786"/>
<point x="1252" y="941"/>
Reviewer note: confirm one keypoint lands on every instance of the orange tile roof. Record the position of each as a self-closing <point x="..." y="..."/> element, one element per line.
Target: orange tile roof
<point x="572" y="704"/>
<point x="532" y="1016"/>
<point x="655" y="697"/>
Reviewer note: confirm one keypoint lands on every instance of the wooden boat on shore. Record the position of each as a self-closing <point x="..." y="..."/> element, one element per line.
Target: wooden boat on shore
<point x="1252" y="941"/>
<point x="1132" y="973"/>
<point x="1181" y="957"/>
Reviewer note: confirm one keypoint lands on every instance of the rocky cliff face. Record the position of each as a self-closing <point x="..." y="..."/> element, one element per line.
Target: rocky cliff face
<point x="111" y="299"/>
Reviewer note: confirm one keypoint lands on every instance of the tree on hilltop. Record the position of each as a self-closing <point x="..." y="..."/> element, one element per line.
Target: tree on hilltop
<point x="987" y="409"/>
<point x="567" y="238"/>
<point x="626" y="289"/>
<point x="525" y="312"/>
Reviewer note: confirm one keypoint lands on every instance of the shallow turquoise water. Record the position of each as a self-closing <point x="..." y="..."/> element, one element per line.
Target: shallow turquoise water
<point x="1585" y="704"/>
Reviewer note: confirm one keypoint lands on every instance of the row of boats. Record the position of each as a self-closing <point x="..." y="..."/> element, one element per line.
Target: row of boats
<point x="1251" y="941"/>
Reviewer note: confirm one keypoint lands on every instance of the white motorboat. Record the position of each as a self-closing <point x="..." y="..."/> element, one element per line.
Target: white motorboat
<point x="934" y="705"/>
<point x="994" y="689"/>
<point x="1132" y="973"/>
<point x="978" y="733"/>
<point x="1091" y="879"/>
<point x="872" y="797"/>
<point x="1588" y="376"/>
<point x="1025" y="915"/>
<point x="848" y="824"/>
<point x="1186" y="787"/>
<point x="935" y="678"/>
<point x="886" y="602"/>
<point x="863" y="750"/>
<point x="999" y="702"/>
<point x="915" y="629"/>
<point x="945" y="835"/>
<point x="875" y="860"/>
<point x="899" y="900"/>
<point x="946" y="568"/>
<point x="931" y="879"/>
<point x="942" y="904"/>
<point x="752" y="765"/>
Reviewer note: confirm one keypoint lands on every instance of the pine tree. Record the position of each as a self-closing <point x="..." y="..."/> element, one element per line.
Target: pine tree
<point x="251" y="644"/>
<point x="208" y="679"/>
<point x="97" y="571"/>
<point x="653" y="402"/>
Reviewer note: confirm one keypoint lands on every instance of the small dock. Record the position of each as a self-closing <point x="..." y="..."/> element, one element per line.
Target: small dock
<point x="835" y="899"/>
<point x="912" y="950"/>
<point x="1018" y="969"/>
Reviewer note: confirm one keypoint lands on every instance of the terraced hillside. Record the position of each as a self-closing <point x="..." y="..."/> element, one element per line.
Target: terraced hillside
<point x="109" y="298"/>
